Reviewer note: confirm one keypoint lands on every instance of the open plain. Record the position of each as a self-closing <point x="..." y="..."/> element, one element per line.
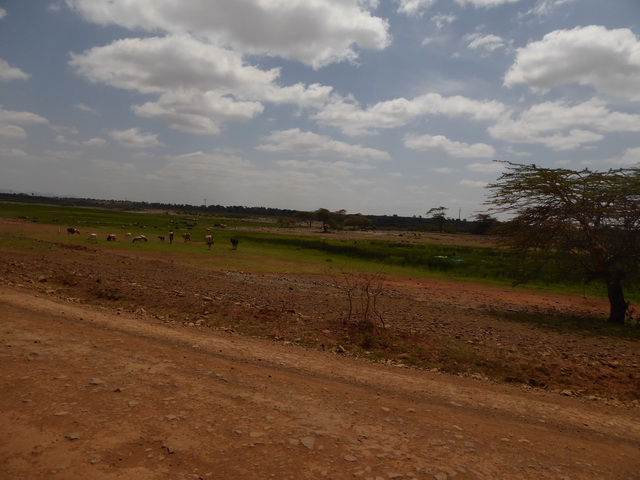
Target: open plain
<point x="134" y="364"/>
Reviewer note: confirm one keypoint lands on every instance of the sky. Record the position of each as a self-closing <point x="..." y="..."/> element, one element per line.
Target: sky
<point x="378" y="107"/>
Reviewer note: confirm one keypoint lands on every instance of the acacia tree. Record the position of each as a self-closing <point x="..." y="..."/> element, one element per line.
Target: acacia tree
<point x="438" y="214"/>
<point x="358" y="221"/>
<point x="306" y="217"/>
<point x="329" y="219"/>
<point x="582" y="219"/>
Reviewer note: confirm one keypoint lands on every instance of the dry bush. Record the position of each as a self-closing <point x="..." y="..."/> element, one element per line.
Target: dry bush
<point x="363" y="292"/>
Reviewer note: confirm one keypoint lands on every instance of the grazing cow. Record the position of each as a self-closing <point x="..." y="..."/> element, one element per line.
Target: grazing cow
<point x="92" y="237"/>
<point x="209" y="241"/>
<point x="140" y="238"/>
<point x="234" y="243"/>
<point x="127" y="235"/>
<point x="161" y="238"/>
<point x="111" y="237"/>
<point x="72" y="230"/>
<point x="187" y="237"/>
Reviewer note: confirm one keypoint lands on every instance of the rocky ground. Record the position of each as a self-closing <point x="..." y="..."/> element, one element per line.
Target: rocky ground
<point x="112" y="368"/>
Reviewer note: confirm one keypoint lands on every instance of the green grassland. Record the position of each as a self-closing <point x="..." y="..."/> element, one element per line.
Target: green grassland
<point x="264" y="248"/>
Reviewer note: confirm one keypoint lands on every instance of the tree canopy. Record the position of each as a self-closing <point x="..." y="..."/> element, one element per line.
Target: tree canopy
<point x="586" y="219"/>
<point x="438" y="214"/>
<point x="329" y="219"/>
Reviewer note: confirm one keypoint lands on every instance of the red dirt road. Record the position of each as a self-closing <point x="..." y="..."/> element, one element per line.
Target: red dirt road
<point x="88" y="393"/>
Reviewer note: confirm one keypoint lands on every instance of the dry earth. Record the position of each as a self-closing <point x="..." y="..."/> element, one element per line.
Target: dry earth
<point x="111" y="368"/>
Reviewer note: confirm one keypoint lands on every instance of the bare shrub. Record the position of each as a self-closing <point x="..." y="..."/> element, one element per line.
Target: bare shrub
<point x="363" y="292"/>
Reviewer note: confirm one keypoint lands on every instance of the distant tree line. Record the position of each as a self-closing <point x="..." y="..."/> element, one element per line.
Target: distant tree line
<point x="328" y="220"/>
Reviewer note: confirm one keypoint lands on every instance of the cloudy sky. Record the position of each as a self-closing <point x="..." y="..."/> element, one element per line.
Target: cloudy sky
<point x="373" y="106"/>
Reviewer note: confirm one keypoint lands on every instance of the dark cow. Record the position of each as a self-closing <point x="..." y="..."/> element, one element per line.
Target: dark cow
<point x="72" y="230"/>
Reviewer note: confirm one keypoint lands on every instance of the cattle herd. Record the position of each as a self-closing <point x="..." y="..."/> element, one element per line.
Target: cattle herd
<point x="208" y="239"/>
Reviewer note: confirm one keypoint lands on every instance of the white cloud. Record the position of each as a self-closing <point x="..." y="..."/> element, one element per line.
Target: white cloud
<point x="200" y="86"/>
<point x="630" y="157"/>
<point x="546" y="7"/>
<point x="95" y="142"/>
<point x="198" y="166"/>
<point x="312" y="96"/>
<point x="316" y="33"/>
<point x="473" y="183"/>
<point x="134" y="138"/>
<point x="3" y="13"/>
<point x="12" y="131"/>
<point x="162" y="64"/>
<point x="486" y="43"/>
<point x="352" y="120"/>
<point x="21" y="118"/>
<point x="492" y="167"/>
<point x="337" y="170"/>
<point x="485" y="3"/>
<point x="15" y="153"/>
<point x="414" y="7"/>
<point x="562" y="126"/>
<point x="8" y="73"/>
<point x="11" y="155"/>
<point x="607" y="60"/>
<point x="442" y="20"/>
<point x="197" y="112"/>
<point x="84" y="108"/>
<point x="91" y="143"/>
<point x="311" y="144"/>
<point x="510" y="152"/>
<point x="440" y="143"/>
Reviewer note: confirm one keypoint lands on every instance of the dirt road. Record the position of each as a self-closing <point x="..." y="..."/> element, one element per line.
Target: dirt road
<point x="88" y="393"/>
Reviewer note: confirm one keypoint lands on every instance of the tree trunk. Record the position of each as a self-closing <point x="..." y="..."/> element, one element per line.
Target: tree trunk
<point x="617" y="303"/>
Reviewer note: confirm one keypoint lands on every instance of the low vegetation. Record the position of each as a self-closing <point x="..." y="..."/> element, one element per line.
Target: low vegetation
<point x="307" y="249"/>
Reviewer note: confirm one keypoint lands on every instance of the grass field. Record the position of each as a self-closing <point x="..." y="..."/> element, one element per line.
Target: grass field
<point x="268" y="249"/>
